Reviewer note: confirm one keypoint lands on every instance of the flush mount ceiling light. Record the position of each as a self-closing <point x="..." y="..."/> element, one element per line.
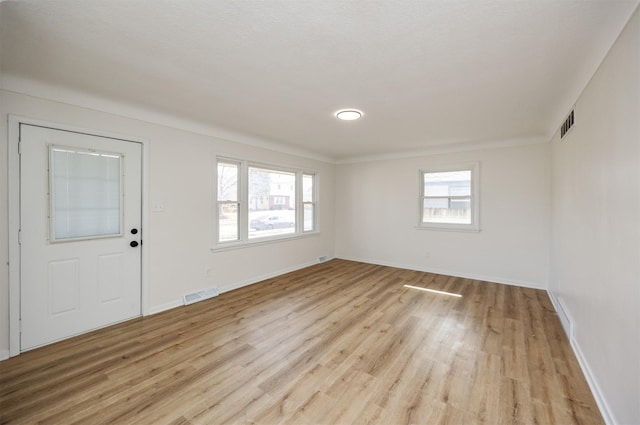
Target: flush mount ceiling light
<point x="348" y="114"/>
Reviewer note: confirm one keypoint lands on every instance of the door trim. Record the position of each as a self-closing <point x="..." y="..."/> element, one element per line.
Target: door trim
<point x="13" y="169"/>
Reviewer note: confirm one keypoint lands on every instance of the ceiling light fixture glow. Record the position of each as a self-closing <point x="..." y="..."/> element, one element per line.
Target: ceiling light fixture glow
<point x="348" y="114"/>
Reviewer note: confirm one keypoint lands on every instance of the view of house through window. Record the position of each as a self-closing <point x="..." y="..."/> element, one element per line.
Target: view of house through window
<point x="449" y="198"/>
<point x="272" y="202"/>
<point x="258" y="201"/>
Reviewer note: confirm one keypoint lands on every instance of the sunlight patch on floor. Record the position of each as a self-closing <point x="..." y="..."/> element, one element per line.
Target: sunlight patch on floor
<point x="434" y="291"/>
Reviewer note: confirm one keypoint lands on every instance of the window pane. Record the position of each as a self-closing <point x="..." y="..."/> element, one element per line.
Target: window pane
<point x="308" y="217"/>
<point x="86" y="194"/>
<point x="307" y="188"/>
<point x="272" y="202"/>
<point x="447" y="210"/>
<point x="228" y="222"/>
<point x="449" y="183"/>
<point x="227" y="181"/>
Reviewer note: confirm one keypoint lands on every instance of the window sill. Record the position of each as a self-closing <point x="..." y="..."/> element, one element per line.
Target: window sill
<point x="230" y="246"/>
<point x="449" y="228"/>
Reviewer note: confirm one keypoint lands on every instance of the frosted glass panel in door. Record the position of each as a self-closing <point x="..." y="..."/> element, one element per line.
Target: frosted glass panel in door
<point x="86" y="194"/>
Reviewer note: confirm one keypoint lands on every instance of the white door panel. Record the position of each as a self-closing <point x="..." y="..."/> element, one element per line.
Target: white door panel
<point x="80" y="199"/>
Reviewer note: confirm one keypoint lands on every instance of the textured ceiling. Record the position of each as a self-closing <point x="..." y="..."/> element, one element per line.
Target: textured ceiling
<point x="425" y="73"/>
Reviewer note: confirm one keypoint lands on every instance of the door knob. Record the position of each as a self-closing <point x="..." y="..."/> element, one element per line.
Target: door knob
<point x="133" y="244"/>
<point x="134" y="231"/>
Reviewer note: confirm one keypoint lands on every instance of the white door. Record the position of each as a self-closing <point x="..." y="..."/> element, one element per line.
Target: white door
<point x="80" y="217"/>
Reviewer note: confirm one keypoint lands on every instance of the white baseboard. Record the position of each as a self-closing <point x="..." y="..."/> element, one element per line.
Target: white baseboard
<point x="166" y="306"/>
<point x="554" y="299"/>
<point x="563" y="313"/>
<point x="565" y="317"/>
<point x="247" y="282"/>
<point x="493" y="279"/>
<point x="236" y="285"/>
<point x="4" y="355"/>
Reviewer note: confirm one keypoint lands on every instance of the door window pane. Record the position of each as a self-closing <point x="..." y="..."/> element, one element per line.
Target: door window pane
<point x="86" y="193"/>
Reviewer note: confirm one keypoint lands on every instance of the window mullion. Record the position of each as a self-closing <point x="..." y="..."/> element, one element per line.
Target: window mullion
<point x="243" y="184"/>
<point x="299" y="203"/>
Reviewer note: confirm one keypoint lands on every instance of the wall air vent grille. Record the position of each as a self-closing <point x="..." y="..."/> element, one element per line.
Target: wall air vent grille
<point x="567" y="124"/>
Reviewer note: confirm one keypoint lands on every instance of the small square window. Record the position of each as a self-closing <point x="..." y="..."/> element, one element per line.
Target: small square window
<point x="449" y="197"/>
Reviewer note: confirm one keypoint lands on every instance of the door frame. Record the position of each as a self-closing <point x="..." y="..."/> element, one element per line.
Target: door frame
<point x="13" y="171"/>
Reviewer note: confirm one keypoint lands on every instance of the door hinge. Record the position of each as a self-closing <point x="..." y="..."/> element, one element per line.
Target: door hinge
<point x="19" y="148"/>
<point x="19" y="236"/>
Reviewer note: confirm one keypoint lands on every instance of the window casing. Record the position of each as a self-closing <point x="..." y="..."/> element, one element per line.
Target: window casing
<point x="449" y="197"/>
<point x="258" y="202"/>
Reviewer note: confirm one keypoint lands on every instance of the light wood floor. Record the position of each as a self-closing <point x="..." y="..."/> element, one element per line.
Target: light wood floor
<point x="337" y="343"/>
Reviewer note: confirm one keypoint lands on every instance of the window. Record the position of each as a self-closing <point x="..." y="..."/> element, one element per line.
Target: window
<point x="272" y="210"/>
<point x="228" y="201"/>
<point x="449" y="197"/>
<point x="86" y="194"/>
<point x="308" y="202"/>
<point x="257" y="202"/>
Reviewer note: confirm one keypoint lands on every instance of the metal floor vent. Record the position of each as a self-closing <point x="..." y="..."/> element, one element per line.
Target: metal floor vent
<point x="194" y="297"/>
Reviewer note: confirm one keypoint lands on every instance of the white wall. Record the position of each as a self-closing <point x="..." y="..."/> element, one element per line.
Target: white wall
<point x="377" y="214"/>
<point x="4" y="244"/>
<point x="181" y="168"/>
<point x="581" y="194"/>
<point x="596" y="228"/>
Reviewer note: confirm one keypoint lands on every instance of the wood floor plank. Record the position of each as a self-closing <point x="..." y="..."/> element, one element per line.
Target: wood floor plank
<point x="339" y="342"/>
<point x="351" y="394"/>
<point x="515" y="408"/>
<point x="514" y="351"/>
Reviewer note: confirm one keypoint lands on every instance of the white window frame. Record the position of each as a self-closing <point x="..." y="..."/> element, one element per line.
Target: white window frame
<point x="313" y="202"/>
<point x="474" y="226"/>
<point x="237" y="203"/>
<point x="243" y="204"/>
